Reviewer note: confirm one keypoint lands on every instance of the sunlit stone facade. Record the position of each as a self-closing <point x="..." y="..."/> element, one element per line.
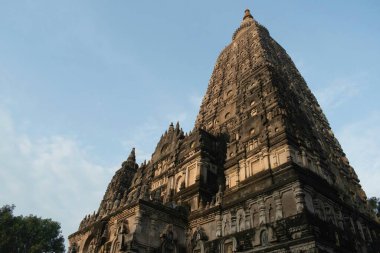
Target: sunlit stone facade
<point x="260" y="172"/>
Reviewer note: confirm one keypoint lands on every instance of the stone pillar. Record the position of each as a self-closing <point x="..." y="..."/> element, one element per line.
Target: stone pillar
<point x="187" y="177"/>
<point x="304" y="158"/>
<point x="153" y="227"/>
<point x="218" y="219"/>
<point x="266" y="159"/>
<point x="360" y="228"/>
<point x="262" y="218"/>
<point x="243" y="171"/>
<point x="299" y="197"/>
<point x="219" y="196"/>
<point x="171" y="182"/>
<point x="233" y="221"/>
<point x="352" y="226"/>
<point x="248" y="219"/>
<point x="138" y="221"/>
<point x="318" y="167"/>
<point x="278" y="206"/>
<point x="369" y="236"/>
<point x="288" y="154"/>
<point x="238" y="175"/>
<point x="198" y="168"/>
<point x="339" y="218"/>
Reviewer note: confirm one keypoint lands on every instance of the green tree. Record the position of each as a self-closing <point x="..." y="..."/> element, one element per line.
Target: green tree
<point x="374" y="204"/>
<point x="29" y="234"/>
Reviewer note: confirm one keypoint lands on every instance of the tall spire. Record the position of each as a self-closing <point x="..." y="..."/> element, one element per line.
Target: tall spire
<point x="253" y="66"/>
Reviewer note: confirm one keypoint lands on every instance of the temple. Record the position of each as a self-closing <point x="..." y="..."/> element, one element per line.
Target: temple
<point x="260" y="172"/>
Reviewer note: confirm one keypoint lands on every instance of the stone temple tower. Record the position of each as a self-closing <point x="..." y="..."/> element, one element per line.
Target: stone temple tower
<point x="260" y="172"/>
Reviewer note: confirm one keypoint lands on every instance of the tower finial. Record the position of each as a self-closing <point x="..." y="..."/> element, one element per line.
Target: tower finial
<point x="132" y="156"/>
<point x="247" y="14"/>
<point x="171" y="127"/>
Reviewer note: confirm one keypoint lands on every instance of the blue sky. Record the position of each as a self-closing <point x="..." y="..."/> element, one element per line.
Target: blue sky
<point x="82" y="82"/>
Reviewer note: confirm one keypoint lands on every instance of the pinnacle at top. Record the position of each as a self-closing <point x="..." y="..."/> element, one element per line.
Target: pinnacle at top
<point x="247" y="14"/>
<point x="247" y="21"/>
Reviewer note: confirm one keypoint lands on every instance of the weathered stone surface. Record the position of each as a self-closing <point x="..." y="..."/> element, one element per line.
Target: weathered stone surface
<point x="260" y="172"/>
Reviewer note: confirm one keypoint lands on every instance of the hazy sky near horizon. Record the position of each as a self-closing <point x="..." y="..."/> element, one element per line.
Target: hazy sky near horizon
<point x="82" y="82"/>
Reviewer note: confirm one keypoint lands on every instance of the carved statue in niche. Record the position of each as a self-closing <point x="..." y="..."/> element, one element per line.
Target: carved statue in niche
<point x="168" y="240"/>
<point x="264" y="238"/>
<point x="226" y="228"/>
<point x="241" y="223"/>
<point x="318" y="207"/>
<point x="144" y="193"/>
<point x="109" y="206"/>
<point x="116" y="203"/>
<point x="228" y="247"/>
<point x="120" y="242"/>
<point x="262" y="216"/>
<point x="156" y="195"/>
<point x="189" y="240"/>
<point x="198" y="235"/>
<point x="265" y="235"/>
<point x="168" y="196"/>
<point x="123" y="228"/>
<point x="182" y="185"/>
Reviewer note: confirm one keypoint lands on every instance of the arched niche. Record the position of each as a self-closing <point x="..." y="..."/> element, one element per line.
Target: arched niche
<point x="309" y="202"/>
<point x="240" y="220"/>
<point x="164" y="148"/>
<point x="254" y="213"/>
<point x="199" y="247"/>
<point x="169" y="240"/>
<point x="229" y="245"/>
<point x="179" y="181"/>
<point x="226" y="224"/>
<point x="89" y="245"/>
<point x="264" y="236"/>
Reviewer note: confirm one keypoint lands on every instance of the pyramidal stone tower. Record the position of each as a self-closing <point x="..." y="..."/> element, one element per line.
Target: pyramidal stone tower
<point x="260" y="172"/>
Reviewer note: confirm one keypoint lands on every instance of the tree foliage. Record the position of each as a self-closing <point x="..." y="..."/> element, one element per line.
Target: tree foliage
<point x="29" y="234"/>
<point x="374" y="204"/>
